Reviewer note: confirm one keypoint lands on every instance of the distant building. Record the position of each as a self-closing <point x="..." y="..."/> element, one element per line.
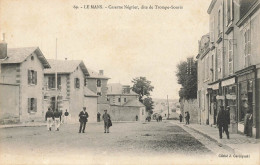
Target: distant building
<point x="124" y="103"/>
<point x="21" y="84"/>
<point x="72" y="93"/>
<point x="97" y="83"/>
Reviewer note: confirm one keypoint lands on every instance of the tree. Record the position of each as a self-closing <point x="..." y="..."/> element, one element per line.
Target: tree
<point x="187" y="77"/>
<point x="148" y="102"/>
<point x="142" y="86"/>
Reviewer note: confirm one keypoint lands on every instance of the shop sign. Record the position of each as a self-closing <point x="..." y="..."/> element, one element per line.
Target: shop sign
<point x="214" y="86"/>
<point x="231" y="97"/>
<point x="220" y="97"/>
<point x="228" y="82"/>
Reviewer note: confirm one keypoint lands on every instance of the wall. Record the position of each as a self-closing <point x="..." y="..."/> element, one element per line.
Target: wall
<point x="91" y="104"/>
<point x="31" y="91"/>
<point x="9" y="103"/>
<point x="192" y="107"/>
<point x="9" y="73"/>
<point x="113" y="99"/>
<point x="119" y="113"/>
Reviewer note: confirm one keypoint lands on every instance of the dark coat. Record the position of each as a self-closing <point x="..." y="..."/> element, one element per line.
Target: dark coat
<point x="83" y="117"/>
<point x="49" y="114"/>
<point x="223" y="118"/>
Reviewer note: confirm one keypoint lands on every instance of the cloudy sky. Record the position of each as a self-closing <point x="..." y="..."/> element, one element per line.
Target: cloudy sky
<point x="124" y="43"/>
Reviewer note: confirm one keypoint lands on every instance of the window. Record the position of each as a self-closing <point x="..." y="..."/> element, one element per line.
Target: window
<point x="230" y="56"/>
<point x="124" y="99"/>
<point x="51" y="82"/>
<point x="229" y="11"/>
<point x="219" y="22"/>
<point x="219" y="63"/>
<point x="98" y="83"/>
<point x="99" y="93"/>
<point x="119" y="100"/>
<point x="32" y="105"/>
<point x="212" y="29"/>
<point x="247" y="47"/>
<point x="77" y="83"/>
<point x="32" y="77"/>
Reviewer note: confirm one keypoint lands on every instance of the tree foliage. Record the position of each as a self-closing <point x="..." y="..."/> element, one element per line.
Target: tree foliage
<point x="188" y="80"/>
<point x="143" y="87"/>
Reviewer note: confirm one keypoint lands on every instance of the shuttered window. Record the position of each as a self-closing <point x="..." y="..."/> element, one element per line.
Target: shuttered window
<point x="32" y="105"/>
<point x="32" y="77"/>
<point x="76" y="83"/>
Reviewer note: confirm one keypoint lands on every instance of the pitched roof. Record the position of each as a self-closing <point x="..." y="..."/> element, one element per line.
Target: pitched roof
<point x="65" y="66"/>
<point x="133" y="103"/>
<point x="19" y="55"/>
<point x="89" y="93"/>
<point x="94" y="74"/>
<point x="117" y="89"/>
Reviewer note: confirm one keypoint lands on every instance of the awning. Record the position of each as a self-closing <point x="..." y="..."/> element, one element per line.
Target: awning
<point x="214" y="86"/>
<point x="228" y="82"/>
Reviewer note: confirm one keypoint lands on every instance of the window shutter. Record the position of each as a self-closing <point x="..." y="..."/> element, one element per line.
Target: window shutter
<point x="35" y="105"/>
<point x="29" y="77"/>
<point x="29" y="105"/>
<point x="35" y="77"/>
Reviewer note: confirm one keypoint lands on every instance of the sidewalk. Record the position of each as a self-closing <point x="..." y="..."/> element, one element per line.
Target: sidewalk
<point x="238" y="143"/>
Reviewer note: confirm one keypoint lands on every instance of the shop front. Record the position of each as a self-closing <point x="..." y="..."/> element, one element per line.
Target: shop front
<point x="246" y="97"/>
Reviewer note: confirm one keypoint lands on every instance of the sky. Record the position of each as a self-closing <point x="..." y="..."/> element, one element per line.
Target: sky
<point x="124" y="43"/>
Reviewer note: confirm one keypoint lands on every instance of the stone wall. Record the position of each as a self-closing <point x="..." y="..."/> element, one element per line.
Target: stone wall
<point x="192" y="107"/>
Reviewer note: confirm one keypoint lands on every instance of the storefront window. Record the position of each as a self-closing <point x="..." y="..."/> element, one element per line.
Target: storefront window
<point x="246" y="98"/>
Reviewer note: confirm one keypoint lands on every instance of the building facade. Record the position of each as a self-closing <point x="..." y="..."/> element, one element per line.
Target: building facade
<point x="21" y="84"/>
<point x="233" y="63"/>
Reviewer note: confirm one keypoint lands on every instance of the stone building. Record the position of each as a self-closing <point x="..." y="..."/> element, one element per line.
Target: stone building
<point x="21" y="96"/>
<point x="72" y="93"/>
<point x="233" y="64"/>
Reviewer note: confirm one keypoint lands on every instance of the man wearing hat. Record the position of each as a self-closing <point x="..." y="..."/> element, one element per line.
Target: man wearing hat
<point x="83" y="118"/>
<point x="106" y="118"/>
<point x="223" y="121"/>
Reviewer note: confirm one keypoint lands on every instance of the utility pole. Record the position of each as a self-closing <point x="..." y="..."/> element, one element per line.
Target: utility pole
<point x="168" y="107"/>
<point x="56" y="81"/>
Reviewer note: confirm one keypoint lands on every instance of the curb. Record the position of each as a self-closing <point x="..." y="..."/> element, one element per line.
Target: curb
<point x="225" y="146"/>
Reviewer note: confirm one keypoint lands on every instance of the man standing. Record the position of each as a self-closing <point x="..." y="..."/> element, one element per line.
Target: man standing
<point x="222" y="122"/>
<point x="83" y="118"/>
<point x="136" y="118"/>
<point x="106" y="118"/>
<point x="180" y="116"/>
<point x="57" y="119"/>
<point x="49" y="118"/>
<point x="66" y="116"/>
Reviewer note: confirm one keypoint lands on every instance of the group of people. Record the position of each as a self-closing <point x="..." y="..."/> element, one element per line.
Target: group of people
<point x="83" y="119"/>
<point x="187" y="117"/>
<point x="159" y="118"/>
<point x="56" y="117"/>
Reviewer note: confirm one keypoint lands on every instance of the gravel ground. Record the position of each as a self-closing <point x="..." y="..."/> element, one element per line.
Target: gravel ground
<point x="132" y="139"/>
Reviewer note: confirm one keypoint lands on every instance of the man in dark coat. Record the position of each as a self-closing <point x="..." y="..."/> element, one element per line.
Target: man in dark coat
<point x="49" y="118"/>
<point x="83" y="118"/>
<point x="106" y="118"/>
<point x="57" y="119"/>
<point x="222" y="122"/>
<point x="180" y="116"/>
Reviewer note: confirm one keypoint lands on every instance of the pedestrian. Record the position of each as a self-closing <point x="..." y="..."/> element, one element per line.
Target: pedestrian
<point x="187" y="118"/>
<point x="66" y="116"/>
<point x="106" y="118"/>
<point x="248" y="123"/>
<point x="49" y="118"/>
<point x="222" y="122"/>
<point x="180" y="116"/>
<point x="160" y="118"/>
<point x="83" y="118"/>
<point x="136" y="118"/>
<point x="98" y="117"/>
<point x="57" y="119"/>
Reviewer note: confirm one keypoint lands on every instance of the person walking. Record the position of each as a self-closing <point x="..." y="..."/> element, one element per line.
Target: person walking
<point x="66" y="115"/>
<point x="180" y="116"/>
<point x="248" y="123"/>
<point x="49" y="118"/>
<point x="98" y="117"/>
<point x="83" y="118"/>
<point x="187" y="118"/>
<point x="106" y="118"/>
<point x="57" y="119"/>
<point x="222" y="122"/>
<point x="136" y="118"/>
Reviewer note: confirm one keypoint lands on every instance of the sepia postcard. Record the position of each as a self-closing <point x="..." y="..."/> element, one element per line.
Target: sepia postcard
<point x="130" y="82"/>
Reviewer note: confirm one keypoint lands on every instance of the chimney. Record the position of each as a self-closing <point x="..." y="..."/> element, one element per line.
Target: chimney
<point x="101" y="72"/>
<point x="3" y="48"/>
